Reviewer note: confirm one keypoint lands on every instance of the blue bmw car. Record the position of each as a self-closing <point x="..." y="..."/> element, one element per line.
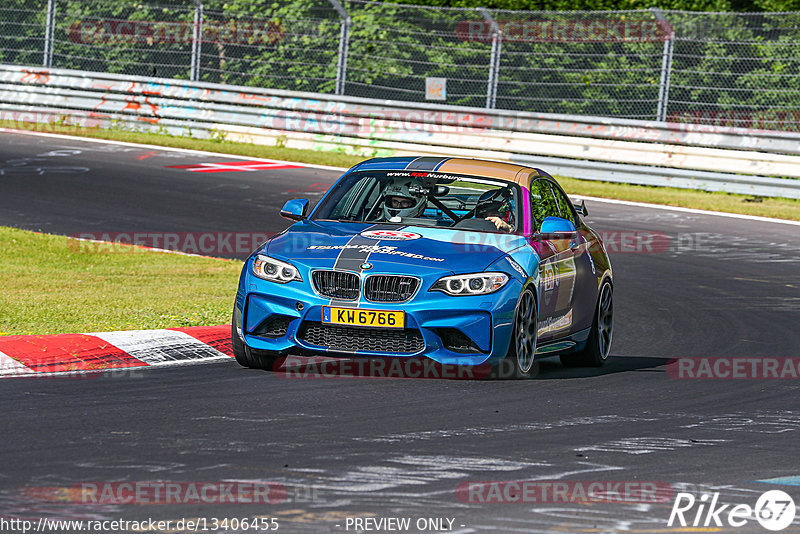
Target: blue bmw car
<point x="465" y="262"/>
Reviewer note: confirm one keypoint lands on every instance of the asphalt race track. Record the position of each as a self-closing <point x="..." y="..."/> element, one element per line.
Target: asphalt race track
<point x="347" y="448"/>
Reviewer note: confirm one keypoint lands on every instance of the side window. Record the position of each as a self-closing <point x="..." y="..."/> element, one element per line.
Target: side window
<point x="543" y="202"/>
<point x="565" y="206"/>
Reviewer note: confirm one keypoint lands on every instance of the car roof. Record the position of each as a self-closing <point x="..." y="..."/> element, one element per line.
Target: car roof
<point x="509" y="172"/>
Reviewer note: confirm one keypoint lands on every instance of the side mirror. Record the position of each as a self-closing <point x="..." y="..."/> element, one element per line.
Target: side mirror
<point x="581" y="208"/>
<point x="295" y="209"/>
<point x="557" y="225"/>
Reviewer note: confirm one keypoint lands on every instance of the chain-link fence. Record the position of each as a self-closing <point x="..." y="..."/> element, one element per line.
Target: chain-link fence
<point x="726" y="69"/>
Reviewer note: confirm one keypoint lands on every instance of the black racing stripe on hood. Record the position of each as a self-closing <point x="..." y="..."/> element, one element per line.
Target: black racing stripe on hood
<point x="351" y="259"/>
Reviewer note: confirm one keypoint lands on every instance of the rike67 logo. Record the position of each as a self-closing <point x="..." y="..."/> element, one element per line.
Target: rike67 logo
<point x="774" y="510"/>
<point x="390" y="235"/>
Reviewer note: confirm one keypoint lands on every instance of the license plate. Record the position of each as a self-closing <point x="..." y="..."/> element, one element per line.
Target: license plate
<point x="360" y="317"/>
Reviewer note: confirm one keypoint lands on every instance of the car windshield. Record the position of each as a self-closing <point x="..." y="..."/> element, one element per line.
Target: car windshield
<point x="423" y="199"/>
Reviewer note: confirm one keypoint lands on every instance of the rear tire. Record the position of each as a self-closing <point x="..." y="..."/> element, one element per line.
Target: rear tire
<point x="597" y="348"/>
<point x="520" y="359"/>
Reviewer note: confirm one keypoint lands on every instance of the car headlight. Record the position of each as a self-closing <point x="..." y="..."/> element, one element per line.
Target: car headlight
<point x="470" y="284"/>
<point x="275" y="270"/>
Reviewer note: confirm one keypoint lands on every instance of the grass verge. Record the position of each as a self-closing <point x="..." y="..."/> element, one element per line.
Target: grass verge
<point x="54" y="284"/>
<point x="687" y="198"/>
<point x="779" y="208"/>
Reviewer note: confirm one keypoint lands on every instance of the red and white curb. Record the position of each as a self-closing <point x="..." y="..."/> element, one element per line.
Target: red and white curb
<point x="99" y="351"/>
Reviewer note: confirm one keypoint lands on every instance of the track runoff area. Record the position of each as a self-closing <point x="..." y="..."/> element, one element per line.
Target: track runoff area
<point x="690" y="426"/>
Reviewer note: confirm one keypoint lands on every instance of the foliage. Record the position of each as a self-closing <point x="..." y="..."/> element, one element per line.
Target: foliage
<point x="727" y="69"/>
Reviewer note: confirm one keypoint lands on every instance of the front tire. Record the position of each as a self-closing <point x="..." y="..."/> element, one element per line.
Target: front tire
<point x="519" y="361"/>
<point x="247" y="357"/>
<point x="238" y="346"/>
<point x="598" y="346"/>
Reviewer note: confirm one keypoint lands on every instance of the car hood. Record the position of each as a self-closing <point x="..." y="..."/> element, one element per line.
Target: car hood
<point x="325" y="244"/>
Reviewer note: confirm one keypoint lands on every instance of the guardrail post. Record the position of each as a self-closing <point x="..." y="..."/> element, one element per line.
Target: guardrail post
<point x="494" y="59"/>
<point x="49" y="33"/>
<point x="344" y="45"/>
<point x="197" y="41"/>
<point x="666" y="66"/>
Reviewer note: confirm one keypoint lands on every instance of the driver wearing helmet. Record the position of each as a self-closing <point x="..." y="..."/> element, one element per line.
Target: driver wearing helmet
<point x="498" y="211"/>
<point x="400" y="200"/>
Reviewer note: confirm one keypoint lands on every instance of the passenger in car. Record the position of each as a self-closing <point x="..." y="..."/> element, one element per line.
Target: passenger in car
<point x="497" y="211"/>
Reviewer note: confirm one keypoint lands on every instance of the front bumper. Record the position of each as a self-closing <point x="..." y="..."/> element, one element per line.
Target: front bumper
<point x="286" y="319"/>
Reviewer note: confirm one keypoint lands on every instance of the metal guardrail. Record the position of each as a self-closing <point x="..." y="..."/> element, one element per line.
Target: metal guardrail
<point x="761" y="163"/>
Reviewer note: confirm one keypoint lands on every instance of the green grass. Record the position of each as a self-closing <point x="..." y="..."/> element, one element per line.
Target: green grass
<point x="780" y="208"/>
<point x="688" y="198"/>
<point x="53" y="284"/>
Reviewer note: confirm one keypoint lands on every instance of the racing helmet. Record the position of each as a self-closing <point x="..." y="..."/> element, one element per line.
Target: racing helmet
<point x="400" y="201"/>
<point x="495" y="203"/>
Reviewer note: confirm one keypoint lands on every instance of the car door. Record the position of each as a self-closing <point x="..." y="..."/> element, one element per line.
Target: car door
<point x="583" y="284"/>
<point x="557" y="266"/>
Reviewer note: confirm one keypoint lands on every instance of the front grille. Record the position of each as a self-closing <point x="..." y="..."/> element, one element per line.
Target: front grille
<point x="337" y="284"/>
<point x="273" y="326"/>
<point x="349" y="338"/>
<point x="380" y="288"/>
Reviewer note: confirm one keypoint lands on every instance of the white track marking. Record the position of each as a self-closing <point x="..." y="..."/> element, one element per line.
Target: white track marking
<point x="11" y="367"/>
<point x="648" y="445"/>
<point x="687" y="210"/>
<point x="162" y="347"/>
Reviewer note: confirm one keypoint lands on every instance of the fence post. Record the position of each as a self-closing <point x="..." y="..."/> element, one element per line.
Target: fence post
<point x="494" y="59"/>
<point x="197" y="41"/>
<point x="666" y="65"/>
<point x="49" y="34"/>
<point x="344" y="45"/>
